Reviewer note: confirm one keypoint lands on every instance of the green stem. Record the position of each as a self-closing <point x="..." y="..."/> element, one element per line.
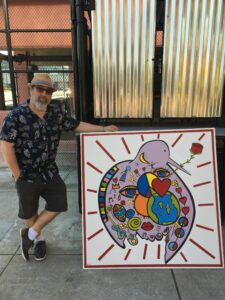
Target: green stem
<point x="188" y="161"/>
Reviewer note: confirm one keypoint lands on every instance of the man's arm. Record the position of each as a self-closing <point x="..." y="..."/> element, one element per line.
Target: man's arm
<point x="86" y="127"/>
<point x="86" y="15"/>
<point x="10" y="158"/>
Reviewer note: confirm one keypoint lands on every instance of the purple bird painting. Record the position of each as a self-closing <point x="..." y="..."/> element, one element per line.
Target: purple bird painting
<point x="150" y="199"/>
<point x="145" y="198"/>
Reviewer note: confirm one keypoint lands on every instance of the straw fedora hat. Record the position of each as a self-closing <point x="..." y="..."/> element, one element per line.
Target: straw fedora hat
<point x="42" y="80"/>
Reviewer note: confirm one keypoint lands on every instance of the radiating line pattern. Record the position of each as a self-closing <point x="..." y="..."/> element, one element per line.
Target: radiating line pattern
<point x="194" y="58"/>
<point x="123" y="43"/>
<point x="127" y="254"/>
<point x="206" y="204"/>
<point x="183" y="256"/>
<point x="204" y="227"/>
<point x="204" y="164"/>
<point x="94" y="234"/>
<point x="176" y="141"/>
<point x="106" y="252"/>
<point x="106" y="151"/>
<point x="94" y="167"/>
<point x="202" y="248"/>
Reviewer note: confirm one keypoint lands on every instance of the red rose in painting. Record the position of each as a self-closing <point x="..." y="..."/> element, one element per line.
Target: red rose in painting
<point x="196" y="148"/>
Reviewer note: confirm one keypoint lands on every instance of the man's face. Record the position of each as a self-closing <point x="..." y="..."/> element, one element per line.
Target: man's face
<point x="40" y="97"/>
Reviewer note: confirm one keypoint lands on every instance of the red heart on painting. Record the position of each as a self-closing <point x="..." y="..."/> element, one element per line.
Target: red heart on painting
<point x="185" y="210"/>
<point x="143" y="168"/>
<point x="115" y="179"/>
<point x="161" y="186"/>
<point x="183" y="200"/>
<point x="179" y="190"/>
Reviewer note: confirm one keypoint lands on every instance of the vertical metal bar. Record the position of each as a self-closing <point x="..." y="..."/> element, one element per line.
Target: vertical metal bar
<point x="79" y="67"/>
<point x="9" y="48"/>
<point x="2" y="97"/>
<point x="81" y="56"/>
<point x="77" y="93"/>
<point x="158" y="66"/>
<point x="223" y="103"/>
<point x="74" y="59"/>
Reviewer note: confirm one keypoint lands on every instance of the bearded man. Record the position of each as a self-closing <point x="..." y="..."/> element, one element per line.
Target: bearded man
<point x="30" y="137"/>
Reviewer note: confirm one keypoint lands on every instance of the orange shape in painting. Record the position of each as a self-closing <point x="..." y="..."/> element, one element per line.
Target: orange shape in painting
<point x="140" y="204"/>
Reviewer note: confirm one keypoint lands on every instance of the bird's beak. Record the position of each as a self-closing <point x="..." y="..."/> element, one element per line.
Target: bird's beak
<point x="173" y="163"/>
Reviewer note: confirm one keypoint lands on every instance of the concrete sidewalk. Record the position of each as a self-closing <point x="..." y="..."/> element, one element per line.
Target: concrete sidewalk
<point x="61" y="275"/>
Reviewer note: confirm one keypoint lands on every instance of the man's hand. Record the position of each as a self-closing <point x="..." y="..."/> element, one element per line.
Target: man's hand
<point x="110" y="128"/>
<point x="16" y="177"/>
<point x="86" y="16"/>
<point x="88" y="127"/>
<point x="8" y="152"/>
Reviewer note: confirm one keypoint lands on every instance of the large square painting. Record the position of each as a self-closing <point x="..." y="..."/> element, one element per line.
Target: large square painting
<point x="150" y="199"/>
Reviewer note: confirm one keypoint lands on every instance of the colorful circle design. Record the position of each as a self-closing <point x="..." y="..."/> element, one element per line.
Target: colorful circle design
<point x="172" y="246"/>
<point x="179" y="232"/>
<point x="130" y="213"/>
<point x="183" y="222"/>
<point x="145" y="183"/>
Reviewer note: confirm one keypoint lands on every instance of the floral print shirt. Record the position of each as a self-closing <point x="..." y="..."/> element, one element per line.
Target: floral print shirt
<point x="36" y="140"/>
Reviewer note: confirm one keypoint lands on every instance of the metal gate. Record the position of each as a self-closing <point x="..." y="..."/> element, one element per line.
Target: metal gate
<point x="125" y="41"/>
<point x="150" y="59"/>
<point x="194" y="58"/>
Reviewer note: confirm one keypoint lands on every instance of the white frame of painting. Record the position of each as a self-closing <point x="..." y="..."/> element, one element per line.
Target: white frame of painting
<point x="192" y="163"/>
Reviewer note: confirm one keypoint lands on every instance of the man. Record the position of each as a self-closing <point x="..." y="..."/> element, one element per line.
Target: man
<point x="30" y="137"/>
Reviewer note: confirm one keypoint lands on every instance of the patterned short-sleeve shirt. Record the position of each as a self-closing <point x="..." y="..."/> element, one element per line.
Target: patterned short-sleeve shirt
<point x="36" y="140"/>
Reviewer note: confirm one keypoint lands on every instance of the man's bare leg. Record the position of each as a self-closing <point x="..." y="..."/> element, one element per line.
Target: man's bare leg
<point x="35" y="224"/>
<point x="43" y="219"/>
<point x="29" y="222"/>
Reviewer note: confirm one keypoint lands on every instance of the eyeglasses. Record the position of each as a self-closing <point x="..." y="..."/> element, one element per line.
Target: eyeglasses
<point x="41" y="90"/>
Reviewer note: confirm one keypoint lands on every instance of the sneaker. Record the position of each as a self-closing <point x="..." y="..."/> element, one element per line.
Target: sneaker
<point x="40" y="251"/>
<point x="26" y="243"/>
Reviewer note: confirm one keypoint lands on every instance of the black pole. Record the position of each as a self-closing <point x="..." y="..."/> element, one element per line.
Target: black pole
<point x="74" y="59"/>
<point x="79" y="76"/>
<point x="2" y="97"/>
<point x="79" y="57"/>
<point x="9" y="48"/>
<point x="158" y="65"/>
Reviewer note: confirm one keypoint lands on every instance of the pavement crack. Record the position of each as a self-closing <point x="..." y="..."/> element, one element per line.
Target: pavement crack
<point x="176" y="285"/>
<point x="3" y="270"/>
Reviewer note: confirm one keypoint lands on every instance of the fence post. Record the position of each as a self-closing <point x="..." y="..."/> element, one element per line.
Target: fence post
<point x="9" y="47"/>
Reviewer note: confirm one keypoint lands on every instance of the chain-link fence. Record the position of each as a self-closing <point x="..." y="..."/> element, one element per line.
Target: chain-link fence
<point x="35" y="37"/>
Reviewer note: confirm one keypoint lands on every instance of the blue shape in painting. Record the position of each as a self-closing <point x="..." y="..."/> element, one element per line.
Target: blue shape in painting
<point x="165" y="209"/>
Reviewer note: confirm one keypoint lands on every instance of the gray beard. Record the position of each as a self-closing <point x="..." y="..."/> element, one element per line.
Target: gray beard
<point x="40" y="105"/>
